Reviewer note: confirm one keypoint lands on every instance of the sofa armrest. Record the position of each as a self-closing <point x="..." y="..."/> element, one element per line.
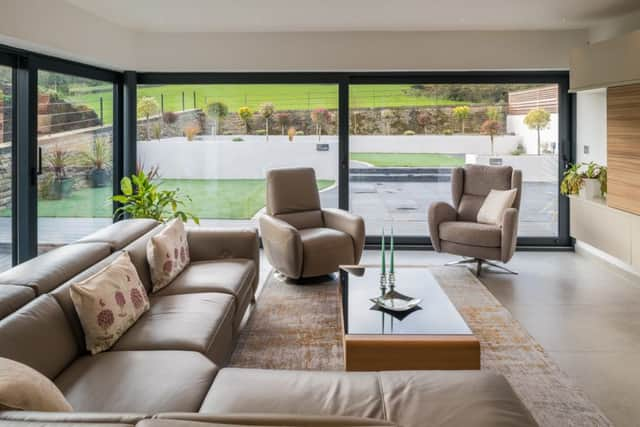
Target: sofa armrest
<point x="208" y="244"/>
<point x="282" y="245"/>
<point x="349" y="223"/>
<point x="509" y="233"/>
<point x="439" y="212"/>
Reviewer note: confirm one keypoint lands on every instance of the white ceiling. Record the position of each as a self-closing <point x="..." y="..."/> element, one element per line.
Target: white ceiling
<point x="354" y="15"/>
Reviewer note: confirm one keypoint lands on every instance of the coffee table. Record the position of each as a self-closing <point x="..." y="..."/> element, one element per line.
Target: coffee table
<point x="434" y="336"/>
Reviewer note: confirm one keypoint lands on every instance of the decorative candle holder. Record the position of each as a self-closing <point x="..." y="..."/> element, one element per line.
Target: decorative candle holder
<point x="383" y="284"/>
<point x="391" y="281"/>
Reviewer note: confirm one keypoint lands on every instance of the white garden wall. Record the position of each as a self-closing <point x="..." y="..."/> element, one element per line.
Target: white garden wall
<point x="224" y="159"/>
<point x="534" y="168"/>
<point x="447" y="144"/>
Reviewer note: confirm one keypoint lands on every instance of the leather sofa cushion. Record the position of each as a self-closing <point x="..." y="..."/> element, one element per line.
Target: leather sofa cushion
<point x="121" y="233"/>
<point x="451" y="399"/>
<point x="196" y="322"/>
<point x="324" y="249"/>
<point x="52" y="268"/>
<point x="471" y="233"/>
<point x="298" y="393"/>
<point x="12" y="297"/>
<point x="39" y="336"/>
<point x="69" y="419"/>
<point x="230" y="276"/>
<point x="238" y="420"/>
<point x="137" y="381"/>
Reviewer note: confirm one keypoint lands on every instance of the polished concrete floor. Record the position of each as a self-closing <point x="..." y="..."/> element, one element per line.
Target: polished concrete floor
<point x="584" y="312"/>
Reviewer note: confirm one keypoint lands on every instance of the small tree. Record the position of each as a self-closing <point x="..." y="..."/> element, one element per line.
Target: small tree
<point x="147" y="107"/>
<point x="266" y="110"/>
<point x="424" y="119"/>
<point x="245" y="114"/>
<point x="490" y="127"/>
<point x="493" y="113"/>
<point x="537" y="119"/>
<point x="217" y="111"/>
<point x="319" y="117"/>
<point x="461" y="113"/>
<point x="387" y="119"/>
<point x="283" y="120"/>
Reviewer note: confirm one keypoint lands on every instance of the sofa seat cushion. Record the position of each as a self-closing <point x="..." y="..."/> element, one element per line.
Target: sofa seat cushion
<point x="324" y="249"/>
<point x="12" y="297"/>
<point x="137" y="381"/>
<point x="196" y="322"/>
<point x="407" y="398"/>
<point x="238" y="390"/>
<point x="231" y="276"/>
<point x="471" y="233"/>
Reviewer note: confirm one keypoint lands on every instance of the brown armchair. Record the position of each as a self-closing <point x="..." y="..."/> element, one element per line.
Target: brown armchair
<point x="455" y="230"/>
<point x="300" y="238"/>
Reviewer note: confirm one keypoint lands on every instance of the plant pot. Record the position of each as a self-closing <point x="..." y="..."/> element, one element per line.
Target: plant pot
<point x="590" y="189"/>
<point x="98" y="178"/>
<point x="60" y="188"/>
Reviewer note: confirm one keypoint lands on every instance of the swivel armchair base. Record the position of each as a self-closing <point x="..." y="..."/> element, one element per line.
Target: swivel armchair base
<point x="479" y="263"/>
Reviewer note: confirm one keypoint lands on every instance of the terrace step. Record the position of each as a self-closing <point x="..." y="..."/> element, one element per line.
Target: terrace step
<point x="400" y="174"/>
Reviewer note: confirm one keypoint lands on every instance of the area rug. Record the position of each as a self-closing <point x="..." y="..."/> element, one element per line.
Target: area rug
<point x="298" y="327"/>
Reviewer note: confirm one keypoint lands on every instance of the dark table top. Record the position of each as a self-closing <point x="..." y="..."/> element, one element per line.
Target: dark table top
<point x="436" y="314"/>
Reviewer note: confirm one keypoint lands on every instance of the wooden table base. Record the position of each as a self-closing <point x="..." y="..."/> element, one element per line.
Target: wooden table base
<point x="411" y="352"/>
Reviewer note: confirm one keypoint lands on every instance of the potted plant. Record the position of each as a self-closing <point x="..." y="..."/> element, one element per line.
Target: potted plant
<point x="61" y="184"/>
<point x="594" y="184"/>
<point x="99" y="158"/>
<point x="142" y="198"/>
<point x="492" y="128"/>
<point x="589" y="180"/>
<point x="537" y="119"/>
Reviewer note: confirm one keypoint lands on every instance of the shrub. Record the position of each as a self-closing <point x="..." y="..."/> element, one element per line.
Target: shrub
<point x="409" y="133"/>
<point x="266" y="110"/>
<point x="156" y="130"/>
<point x="217" y="111"/>
<point x="461" y="113"/>
<point x="291" y="132"/>
<point x="237" y="139"/>
<point x="283" y="120"/>
<point x="519" y="150"/>
<point x="169" y="117"/>
<point x="191" y="130"/>
<point x="447" y="132"/>
<point x="300" y="133"/>
<point x="261" y="132"/>
<point x="227" y="133"/>
<point x="245" y="114"/>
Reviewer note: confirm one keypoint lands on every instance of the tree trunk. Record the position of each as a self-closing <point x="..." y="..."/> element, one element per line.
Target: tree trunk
<point x="538" y="141"/>
<point x="266" y="125"/>
<point x="492" y="150"/>
<point x="148" y="129"/>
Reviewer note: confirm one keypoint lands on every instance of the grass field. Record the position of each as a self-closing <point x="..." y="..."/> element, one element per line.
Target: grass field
<point x="408" y="159"/>
<point x="283" y="96"/>
<point x="219" y="199"/>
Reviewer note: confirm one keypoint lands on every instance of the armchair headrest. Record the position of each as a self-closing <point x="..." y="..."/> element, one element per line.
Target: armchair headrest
<point x="292" y="190"/>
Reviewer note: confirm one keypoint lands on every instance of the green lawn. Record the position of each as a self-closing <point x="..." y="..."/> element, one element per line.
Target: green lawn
<point x="219" y="199"/>
<point x="408" y="159"/>
<point x="283" y="96"/>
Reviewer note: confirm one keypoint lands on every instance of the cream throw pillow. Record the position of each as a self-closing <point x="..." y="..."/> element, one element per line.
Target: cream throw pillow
<point x="496" y="202"/>
<point x="25" y="389"/>
<point x="109" y="302"/>
<point x="168" y="254"/>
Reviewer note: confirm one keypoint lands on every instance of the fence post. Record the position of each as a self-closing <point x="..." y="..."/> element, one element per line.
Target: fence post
<point x="101" y="112"/>
<point x="182" y="100"/>
<point x="194" y="99"/>
<point x="162" y="103"/>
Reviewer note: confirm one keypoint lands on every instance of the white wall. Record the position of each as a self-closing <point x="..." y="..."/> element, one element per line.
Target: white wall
<point x="515" y="124"/>
<point x="179" y="159"/>
<point x="58" y="28"/>
<point x="448" y="144"/>
<point x="592" y="126"/>
<point x="615" y="27"/>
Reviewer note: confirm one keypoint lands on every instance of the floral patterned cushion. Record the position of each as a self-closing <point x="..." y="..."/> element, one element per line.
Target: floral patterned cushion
<point x="168" y="254"/>
<point x="109" y="302"/>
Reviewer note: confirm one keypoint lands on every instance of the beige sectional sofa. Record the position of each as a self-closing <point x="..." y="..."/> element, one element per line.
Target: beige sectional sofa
<point x="168" y="369"/>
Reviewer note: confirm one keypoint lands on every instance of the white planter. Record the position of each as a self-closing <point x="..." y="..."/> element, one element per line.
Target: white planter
<point x="590" y="189"/>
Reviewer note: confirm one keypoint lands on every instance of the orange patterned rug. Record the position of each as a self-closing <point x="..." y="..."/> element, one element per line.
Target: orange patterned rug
<point x="298" y="327"/>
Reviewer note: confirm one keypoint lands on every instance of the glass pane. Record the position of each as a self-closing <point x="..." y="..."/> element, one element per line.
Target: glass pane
<point x="6" y="113"/>
<point x="216" y="142"/>
<point x="75" y="143"/>
<point x="405" y="140"/>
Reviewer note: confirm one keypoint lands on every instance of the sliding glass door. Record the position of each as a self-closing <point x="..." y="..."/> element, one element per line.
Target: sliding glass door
<point x="6" y="167"/>
<point x="405" y="139"/>
<point x="215" y="142"/>
<point x="75" y="155"/>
